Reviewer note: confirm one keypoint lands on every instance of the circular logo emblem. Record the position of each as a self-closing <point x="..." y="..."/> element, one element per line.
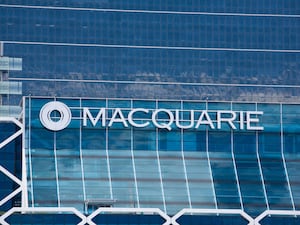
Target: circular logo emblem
<point x="55" y="116"/>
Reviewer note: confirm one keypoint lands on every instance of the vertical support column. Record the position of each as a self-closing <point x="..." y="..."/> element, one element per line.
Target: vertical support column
<point x="183" y="159"/>
<point x="56" y="168"/>
<point x="29" y="154"/>
<point x="260" y="168"/>
<point x="234" y="166"/>
<point x="283" y="159"/>
<point x="24" y="200"/>
<point x="81" y="157"/>
<point x="209" y="164"/>
<point x="133" y="162"/>
<point x="107" y="155"/>
<point x="159" y="168"/>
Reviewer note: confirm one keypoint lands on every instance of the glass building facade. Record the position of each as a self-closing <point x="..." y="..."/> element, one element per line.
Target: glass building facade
<point x="188" y="165"/>
<point x="139" y="49"/>
<point x="223" y="58"/>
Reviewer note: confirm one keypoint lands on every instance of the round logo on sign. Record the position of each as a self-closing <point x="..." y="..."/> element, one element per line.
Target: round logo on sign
<point x="55" y="116"/>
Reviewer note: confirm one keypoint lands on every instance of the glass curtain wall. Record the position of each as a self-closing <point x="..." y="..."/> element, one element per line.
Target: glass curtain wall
<point x="201" y="167"/>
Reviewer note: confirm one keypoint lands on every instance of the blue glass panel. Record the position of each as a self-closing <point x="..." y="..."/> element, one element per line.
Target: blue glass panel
<point x="169" y="105"/>
<point x="275" y="180"/>
<point x="144" y="139"/>
<point x="270" y="143"/>
<point x="266" y="6"/>
<point x="169" y="141"/>
<point x="144" y="104"/>
<point x="148" y="179"/>
<point x="37" y="139"/>
<point x="219" y="142"/>
<point x="93" y="139"/>
<point x="138" y="28"/>
<point x="270" y="118"/>
<point x="249" y="175"/>
<point x="174" y="179"/>
<point x="219" y="105"/>
<point x="139" y="70"/>
<point x="96" y="174"/>
<point x="70" y="178"/>
<point x="124" y="187"/>
<point x="224" y="177"/>
<point x="123" y="137"/>
<point x="199" y="180"/>
<point x="187" y="105"/>
<point x="292" y="164"/>
<point x="43" y="173"/>
<point x="290" y="118"/>
<point x="194" y="141"/>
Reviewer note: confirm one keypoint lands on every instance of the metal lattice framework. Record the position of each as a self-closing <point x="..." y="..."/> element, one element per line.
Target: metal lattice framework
<point x="88" y="219"/>
<point x="4" y="170"/>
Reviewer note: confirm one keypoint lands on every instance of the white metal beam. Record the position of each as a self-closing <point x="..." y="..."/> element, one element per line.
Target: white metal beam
<point x="169" y="220"/>
<point x="13" y="136"/>
<point x="4" y="170"/>
<point x="10" y="175"/>
<point x="277" y="213"/>
<point x="214" y="212"/>
<point x="10" y="196"/>
<point x="129" y="210"/>
<point x="43" y="210"/>
<point x="16" y="180"/>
